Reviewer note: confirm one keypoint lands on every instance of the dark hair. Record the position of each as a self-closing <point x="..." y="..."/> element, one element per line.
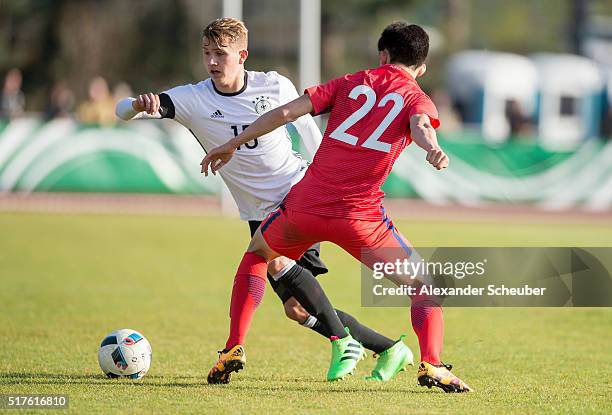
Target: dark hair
<point x="406" y="44"/>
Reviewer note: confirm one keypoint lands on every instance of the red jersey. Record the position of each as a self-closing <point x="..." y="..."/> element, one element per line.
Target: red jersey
<point x="368" y="128"/>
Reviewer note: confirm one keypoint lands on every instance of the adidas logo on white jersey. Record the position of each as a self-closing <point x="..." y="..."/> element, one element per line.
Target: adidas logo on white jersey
<point x="216" y="114"/>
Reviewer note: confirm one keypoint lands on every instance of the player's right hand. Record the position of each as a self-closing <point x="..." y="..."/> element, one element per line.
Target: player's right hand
<point x="148" y="102"/>
<point x="217" y="158"/>
<point x="437" y="158"/>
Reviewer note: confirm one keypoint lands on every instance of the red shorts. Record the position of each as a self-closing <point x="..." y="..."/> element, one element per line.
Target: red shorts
<point x="291" y="233"/>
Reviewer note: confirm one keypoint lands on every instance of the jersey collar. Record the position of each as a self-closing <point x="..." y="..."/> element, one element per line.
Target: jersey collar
<point x="232" y="94"/>
<point x="398" y="69"/>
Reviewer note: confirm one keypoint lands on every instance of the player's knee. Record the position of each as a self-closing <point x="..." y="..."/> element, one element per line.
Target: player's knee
<point x="294" y="311"/>
<point x="259" y="246"/>
<point x="278" y="264"/>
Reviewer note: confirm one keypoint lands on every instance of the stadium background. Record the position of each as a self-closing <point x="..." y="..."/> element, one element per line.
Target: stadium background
<point x="105" y="224"/>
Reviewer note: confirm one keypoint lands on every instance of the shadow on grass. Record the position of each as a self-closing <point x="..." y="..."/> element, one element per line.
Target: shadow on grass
<point x="41" y="378"/>
<point x="25" y="375"/>
<point x="243" y="385"/>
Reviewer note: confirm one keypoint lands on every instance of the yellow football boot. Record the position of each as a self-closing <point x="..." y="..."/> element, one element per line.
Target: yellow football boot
<point x="229" y="361"/>
<point x="440" y="376"/>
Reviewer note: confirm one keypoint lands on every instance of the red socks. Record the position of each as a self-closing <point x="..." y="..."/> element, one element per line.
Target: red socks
<point x="249" y="286"/>
<point x="428" y="325"/>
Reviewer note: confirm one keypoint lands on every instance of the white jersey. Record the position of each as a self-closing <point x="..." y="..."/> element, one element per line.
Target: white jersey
<point x="261" y="172"/>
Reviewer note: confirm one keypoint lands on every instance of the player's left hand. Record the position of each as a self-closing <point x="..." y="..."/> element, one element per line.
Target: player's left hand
<point x="437" y="158"/>
<point x="217" y="158"/>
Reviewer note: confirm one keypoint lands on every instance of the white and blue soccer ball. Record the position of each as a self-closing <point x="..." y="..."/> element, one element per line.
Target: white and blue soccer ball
<point x="125" y="353"/>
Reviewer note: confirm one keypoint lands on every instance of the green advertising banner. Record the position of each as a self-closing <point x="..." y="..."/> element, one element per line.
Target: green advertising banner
<point x="515" y="172"/>
<point x="163" y="157"/>
<point x="139" y="157"/>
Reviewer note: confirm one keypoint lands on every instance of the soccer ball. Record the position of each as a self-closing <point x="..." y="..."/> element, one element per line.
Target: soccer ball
<point x="125" y="353"/>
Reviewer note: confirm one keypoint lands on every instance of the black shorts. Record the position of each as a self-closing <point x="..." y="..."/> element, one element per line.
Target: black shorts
<point x="311" y="260"/>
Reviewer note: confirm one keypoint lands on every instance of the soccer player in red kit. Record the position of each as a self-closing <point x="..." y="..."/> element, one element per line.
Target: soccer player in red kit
<point x="374" y="115"/>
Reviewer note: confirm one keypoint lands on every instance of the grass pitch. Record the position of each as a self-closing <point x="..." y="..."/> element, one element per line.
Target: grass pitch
<point x="66" y="281"/>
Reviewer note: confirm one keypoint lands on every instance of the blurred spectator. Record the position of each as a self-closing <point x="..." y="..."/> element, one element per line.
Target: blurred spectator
<point x="61" y="102"/>
<point x="520" y="124"/>
<point x="122" y="90"/>
<point x="449" y="118"/>
<point x="606" y="124"/>
<point x="12" y="100"/>
<point x="100" y="107"/>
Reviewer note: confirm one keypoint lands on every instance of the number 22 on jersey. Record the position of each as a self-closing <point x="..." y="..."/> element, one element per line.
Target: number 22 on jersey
<point x="372" y="142"/>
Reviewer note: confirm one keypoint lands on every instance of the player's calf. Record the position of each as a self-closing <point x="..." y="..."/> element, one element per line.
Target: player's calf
<point x="294" y="311"/>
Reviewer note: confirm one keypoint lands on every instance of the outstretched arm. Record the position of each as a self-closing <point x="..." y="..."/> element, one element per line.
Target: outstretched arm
<point x="129" y="108"/>
<point x="424" y="136"/>
<point x="220" y="156"/>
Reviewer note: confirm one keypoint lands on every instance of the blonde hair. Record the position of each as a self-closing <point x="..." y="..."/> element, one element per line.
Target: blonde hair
<point x="227" y="30"/>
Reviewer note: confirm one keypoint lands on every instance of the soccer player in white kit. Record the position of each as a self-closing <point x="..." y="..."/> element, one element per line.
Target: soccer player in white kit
<point x="261" y="173"/>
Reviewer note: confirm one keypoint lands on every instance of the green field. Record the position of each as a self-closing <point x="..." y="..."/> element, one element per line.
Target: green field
<point x="66" y="281"/>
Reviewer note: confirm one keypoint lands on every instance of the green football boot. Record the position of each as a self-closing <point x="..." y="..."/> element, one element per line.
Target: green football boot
<point x="346" y="353"/>
<point x="392" y="361"/>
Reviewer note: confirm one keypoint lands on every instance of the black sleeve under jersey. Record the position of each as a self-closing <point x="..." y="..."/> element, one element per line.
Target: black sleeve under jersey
<point x="166" y="106"/>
